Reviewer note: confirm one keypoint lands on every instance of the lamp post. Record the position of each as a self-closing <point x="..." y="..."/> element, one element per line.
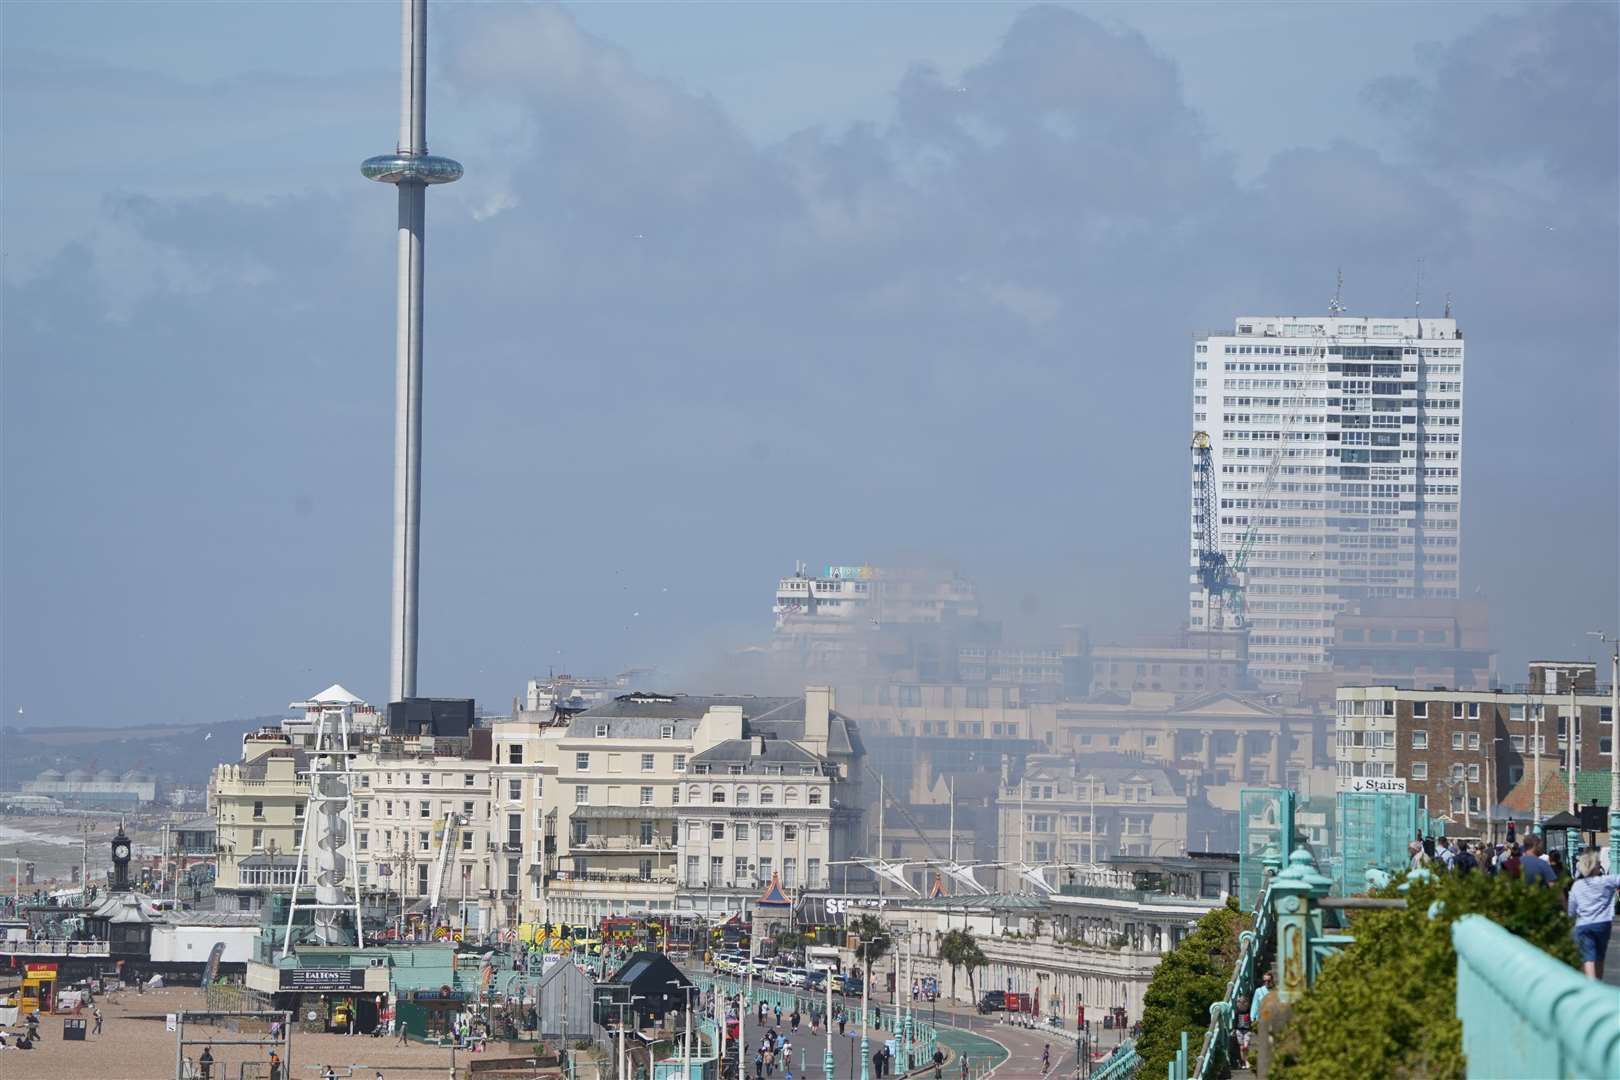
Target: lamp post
<point x="1614" y="750"/>
<point x="1490" y="796"/>
<point x="686" y="1009"/>
<point x="866" y="990"/>
<point x="828" y="1062"/>
<point x="624" y="1063"/>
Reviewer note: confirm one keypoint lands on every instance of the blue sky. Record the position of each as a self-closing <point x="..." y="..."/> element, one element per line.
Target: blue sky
<point x="728" y="286"/>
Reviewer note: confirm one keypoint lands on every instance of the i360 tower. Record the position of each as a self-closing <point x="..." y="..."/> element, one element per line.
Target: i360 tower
<point x="411" y="169"/>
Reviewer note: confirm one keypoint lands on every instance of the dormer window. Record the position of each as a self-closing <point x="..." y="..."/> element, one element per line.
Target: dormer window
<point x="601" y="731"/>
<point x="667" y="731"/>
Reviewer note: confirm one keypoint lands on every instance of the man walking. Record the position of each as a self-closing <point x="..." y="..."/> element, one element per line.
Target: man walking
<point x="95" y="1011"/>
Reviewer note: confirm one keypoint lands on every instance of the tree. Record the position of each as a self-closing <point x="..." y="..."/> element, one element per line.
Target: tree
<point x="874" y="943"/>
<point x="1387" y="1005"/>
<point x="1186" y="983"/>
<point x="959" y="949"/>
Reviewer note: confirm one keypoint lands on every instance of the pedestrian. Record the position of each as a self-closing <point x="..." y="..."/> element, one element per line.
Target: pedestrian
<point x="1591" y="905"/>
<point x="329" y="1074"/>
<point x="877" y="1064"/>
<point x="1534" y="868"/>
<point x="1510" y="865"/>
<point x="205" y="1064"/>
<point x="759" y="1065"/>
<point x="1261" y="992"/>
<point x="842" y="1023"/>
<point x="403" y="1032"/>
<point x="1418" y="856"/>
<point x="1464" y="860"/>
<point x="1046" y="1058"/>
<point x="964" y="1067"/>
<point x="1555" y="859"/>
<point x="275" y="1066"/>
<point x="96" y="1012"/>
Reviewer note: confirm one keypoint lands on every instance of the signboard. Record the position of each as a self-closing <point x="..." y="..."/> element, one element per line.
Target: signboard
<point x="1372" y="785"/>
<point x="171" y="1021"/>
<point x="323" y="978"/>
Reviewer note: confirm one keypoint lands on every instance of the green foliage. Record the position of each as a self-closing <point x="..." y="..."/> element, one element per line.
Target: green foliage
<point x="1387" y="1005"/>
<point x="874" y="941"/>
<point x="958" y="948"/>
<point x="1185" y="984"/>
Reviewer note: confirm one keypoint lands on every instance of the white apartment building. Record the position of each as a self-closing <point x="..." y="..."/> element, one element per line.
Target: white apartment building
<point x="1362" y="419"/>
<point x="648" y="783"/>
<point x="411" y="805"/>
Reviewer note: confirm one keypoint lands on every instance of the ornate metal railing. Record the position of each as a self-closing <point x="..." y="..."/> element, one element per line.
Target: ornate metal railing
<point x="1525" y="1013"/>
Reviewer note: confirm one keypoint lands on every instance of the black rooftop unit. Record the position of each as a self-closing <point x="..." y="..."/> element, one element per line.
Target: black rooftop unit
<point x="441" y="717"/>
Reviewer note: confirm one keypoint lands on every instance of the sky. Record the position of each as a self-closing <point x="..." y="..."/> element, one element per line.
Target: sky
<point x="731" y="286"/>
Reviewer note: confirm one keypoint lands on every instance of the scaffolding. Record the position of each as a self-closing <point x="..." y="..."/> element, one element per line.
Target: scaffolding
<point x="1265" y="829"/>
<point x="1371" y="832"/>
<point x="277" y="1036"/>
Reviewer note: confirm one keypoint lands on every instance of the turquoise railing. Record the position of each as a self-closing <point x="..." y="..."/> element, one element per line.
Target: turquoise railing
<point x="1122" y="1063"/>
<point x="1525" y="1013"/>
<point x="899" y="1021"/>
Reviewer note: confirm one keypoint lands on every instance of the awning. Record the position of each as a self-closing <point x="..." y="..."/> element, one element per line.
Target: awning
<point x="623" y="813"/>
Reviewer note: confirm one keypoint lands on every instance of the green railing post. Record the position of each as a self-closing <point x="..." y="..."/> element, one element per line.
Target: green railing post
<point x="1290" y="906"/>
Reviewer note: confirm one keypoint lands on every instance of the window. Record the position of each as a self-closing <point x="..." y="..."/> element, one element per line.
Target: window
<point x="1473" y="740"/>
<point x="680" y="762"/>
<point x="717" y="869"/>
<point x="767" y="831"/>
<point x="258" y="839"/>
<point x="363" y="838"/>
<point x="1473" y="774"/>
<point x="1517" y="742"/>
<point x="514" y="830"/>
<point x="667" y="731"/>
<point x="1420" y="740"/>
<point x="582" y="762"/>
<point x="514" y="791"/>
<point x="812" y="874"/>
<point x="466" y="779"/>
<point x="1456" y="740"/>
<point x="765" y="869"/>
<point x="1420" y="710"/>
<point x="691" y="869"/>
<point x="767" y="796"/>
<point x="582" y="795"/>
<point x="791" y="797"/>
<point x="258" y="808"/>
<point x="514" y="754"/>
<point x="717" y="830"/>
<point x="365" y="809"/>
<point x="646" y="763"/>
<point x="718" y="795"/>
<point x="422" y="840"/>
<point x="739" y="831"/>
<point x="977" y="697"/>
<point x="1457" y="771"/>
<point x="466" y="840"/>
<point x="427" y="778"/>
<point x="790" y="873"/>
<point x="1420" y="770"/>
<point x="815" y="796"/>
<point x="742" y="796"/>
<point x="646" y="796"/>
<point x="1456" y="710"/>
<point x="424" y="809"/>
<point x="601" y="731"/>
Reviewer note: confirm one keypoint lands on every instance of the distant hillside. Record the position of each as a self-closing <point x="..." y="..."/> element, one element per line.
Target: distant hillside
<point x="177" y="754"/>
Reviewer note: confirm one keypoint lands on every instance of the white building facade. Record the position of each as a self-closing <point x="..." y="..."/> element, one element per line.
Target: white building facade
<point x="1357" y="421"/>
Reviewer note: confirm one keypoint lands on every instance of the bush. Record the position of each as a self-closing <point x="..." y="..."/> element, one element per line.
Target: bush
<point x="1387" y="1005"/>
<point x="1185" y="984"/>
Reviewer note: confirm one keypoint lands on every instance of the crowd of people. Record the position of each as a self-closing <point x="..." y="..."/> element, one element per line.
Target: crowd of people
<point x="1588" y="891"/>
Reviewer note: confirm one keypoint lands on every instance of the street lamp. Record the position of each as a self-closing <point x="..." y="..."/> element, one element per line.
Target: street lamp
<point x="624" y="1063"/>
<point x="686" y="1010"/>
<point x="1614" y="750"/>
<point x="866" y="990"/>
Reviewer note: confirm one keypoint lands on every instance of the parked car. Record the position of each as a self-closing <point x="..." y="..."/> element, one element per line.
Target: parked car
<point x="799" y="977"/>
<point x="781" y="976"/>
<point x="993" y="1001"/>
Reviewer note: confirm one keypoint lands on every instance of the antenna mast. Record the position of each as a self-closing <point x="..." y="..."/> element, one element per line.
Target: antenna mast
<point x="1337" y="307"/>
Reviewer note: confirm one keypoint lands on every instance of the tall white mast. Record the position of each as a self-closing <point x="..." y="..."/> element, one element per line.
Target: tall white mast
<point x="411" y="169"/>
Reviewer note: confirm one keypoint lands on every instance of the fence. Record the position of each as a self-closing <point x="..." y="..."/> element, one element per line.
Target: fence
<point x="1371" y="832"/>
<point x="1265" y="825"/>
<point x="1526" y="1014"/>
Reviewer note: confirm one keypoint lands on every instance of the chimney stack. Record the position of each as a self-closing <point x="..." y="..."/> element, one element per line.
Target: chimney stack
<point x="818" y="707"/>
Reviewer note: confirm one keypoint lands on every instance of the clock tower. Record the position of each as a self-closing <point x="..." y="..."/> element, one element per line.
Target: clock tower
<point x="120" y="856"/>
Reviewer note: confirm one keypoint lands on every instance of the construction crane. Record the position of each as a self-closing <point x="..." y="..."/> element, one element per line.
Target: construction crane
<point x="1224" y="577"/>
